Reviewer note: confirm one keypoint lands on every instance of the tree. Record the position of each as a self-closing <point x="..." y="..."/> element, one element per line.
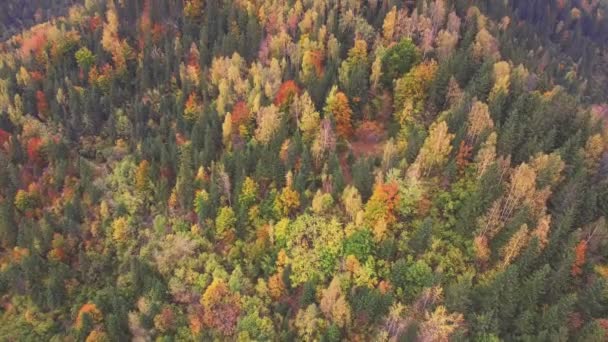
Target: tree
<point x="142" y="179"/>
<point x="485" y="46"/>
<point x="411" y="92"/>
<point x="388" y="27"/>
<point x="517" y="242"/>
<point x="221" y="307"/>
<point x="308" y="323"/>
<point x="479" y="121"/>
<point x="121" y="230"/>
<point x="446" y="44"/>
<point x="268" y="120"/>
<point x="351" y="199"/>
<point x="580" y="257"/>
<point x="439" y="325"/>
<point x="85" y="58"/>
<point x="333" y="304"/>
<point x="325" y="141"/>
<point x="306" y="115"/>
<point x="397" y="60"/>
<point x="286" y="93"/>
<point x="313" y="245"/>
<point x="435" y="150"/>
<point x="337" y="106"/>
<point x="354" y="73"/>
<point x="380" y="210"/>
<point x="225" y="221"/>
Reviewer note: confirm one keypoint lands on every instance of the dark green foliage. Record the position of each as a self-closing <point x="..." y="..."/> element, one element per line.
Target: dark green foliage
<point x="398" y="60"/>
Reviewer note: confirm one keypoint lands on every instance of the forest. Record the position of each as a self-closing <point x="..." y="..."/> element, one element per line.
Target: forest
<point x="303" y="170"/>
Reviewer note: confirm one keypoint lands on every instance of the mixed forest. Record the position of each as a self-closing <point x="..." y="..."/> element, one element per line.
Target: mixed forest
<point x="303" y="170"/>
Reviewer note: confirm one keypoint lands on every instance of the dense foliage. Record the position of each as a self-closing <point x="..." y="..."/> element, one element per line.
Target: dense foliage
<point x="303" y="170"/>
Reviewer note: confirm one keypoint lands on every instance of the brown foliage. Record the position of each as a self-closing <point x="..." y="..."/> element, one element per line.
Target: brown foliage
<point x="580" y="256"/>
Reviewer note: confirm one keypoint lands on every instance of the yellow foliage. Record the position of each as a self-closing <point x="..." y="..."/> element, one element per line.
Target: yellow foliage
<point x="120" y="229"/>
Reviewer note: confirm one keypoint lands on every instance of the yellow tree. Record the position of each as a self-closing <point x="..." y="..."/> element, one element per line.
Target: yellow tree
<point x="516" y="243"/>
<point x="439" y="325"/>
<point x="142" y="176"/>
<point x="436" y="148"/>
<point x="304" y="111"/>
<point x="388" y="27"/>
<point x="479" y="121"/>
<point x="486" y="155"/>
<point x="268" y="120"/>
<point x="594" y="149"/>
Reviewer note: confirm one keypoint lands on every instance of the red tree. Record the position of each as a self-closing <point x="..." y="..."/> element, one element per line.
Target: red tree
<point x="286" y="92"/>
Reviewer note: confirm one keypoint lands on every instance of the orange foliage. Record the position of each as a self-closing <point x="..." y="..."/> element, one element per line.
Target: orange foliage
<point x="317" y="61"/>
<point x="240" y="113"/>
<point x="276" y="286"/>
<point x="286" y="92"/>
<point x="18" y="253"/>
<point x="196" y="323"/>
<point x="381" y="206"/>
<point x="90" y="309"/>
<point x="34" y="43"/>
<point x="580" y="252"/>
<point x="389" y="194"/>
<point x="342" y="112"/>
<point x="192" y="106"/>
<point x="42" y="104"/>
<point x="33" y="149"/>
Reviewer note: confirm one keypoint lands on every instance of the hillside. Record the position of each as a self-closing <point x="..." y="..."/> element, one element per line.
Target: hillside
<point x="303" y="170"/>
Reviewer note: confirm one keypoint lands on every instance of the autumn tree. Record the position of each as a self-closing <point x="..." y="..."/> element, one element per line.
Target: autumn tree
<point x="304" y="111"/>
<point x="479" y="121"/>
<point x="435" y="150"/>
<point x="411" y="92"/>
<point x="221" y="307"/>
<point x="338" y="107"/>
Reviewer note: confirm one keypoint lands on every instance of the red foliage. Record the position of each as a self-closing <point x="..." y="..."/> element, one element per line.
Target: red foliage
<point x="580" y="252"/>
<point x="286" y="92"/>
<point x="94" y="23"/>
<point x="42" y="104"/>
<point x="240" y="113"/>
<point x="4" y="137"/>
<point x="33" y="149"/>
